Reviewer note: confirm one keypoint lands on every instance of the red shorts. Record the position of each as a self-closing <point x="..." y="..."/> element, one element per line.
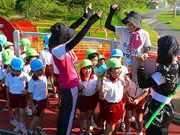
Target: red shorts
<point x="88" y="102"/>
<point x="40" y="105"/>
<point x="17" y="100"/>
<point x="3" y="92"/>
<point x="139" y="108"/>
<point x="48" y="71"/>
<point x="113" y="112"/>
<point x="101" y="107"/>
<point x="56" y="83"/>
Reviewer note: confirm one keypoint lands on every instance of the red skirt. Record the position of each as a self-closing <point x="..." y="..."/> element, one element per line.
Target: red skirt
<point x="139" y="108"/>
<point x="113" y="112"/>
<point x="86" y="103"/>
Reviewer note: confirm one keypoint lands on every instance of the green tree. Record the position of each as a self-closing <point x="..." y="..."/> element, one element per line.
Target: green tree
<point x="38" y="8"/>
<point x="7" y="7"/>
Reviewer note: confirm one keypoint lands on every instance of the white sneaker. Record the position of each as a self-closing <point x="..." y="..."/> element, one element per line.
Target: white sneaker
<point x="23" y="130"/>
<point x="28" y="112"/>
<point x="128" y="133"/>
<point x="141" y="133"/>
<point x="13" y="122"/>
<point x="93" y="124"/>
<point x="17" y="128"/>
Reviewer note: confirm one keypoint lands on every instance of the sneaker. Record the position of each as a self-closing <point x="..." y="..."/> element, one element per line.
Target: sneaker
<point x="128" y="133"/>
<point x="13" y="122"/>
<point x="17" y="128"/>
<point x="88" y="133"/>
<point x="122" y="127"/>
<point x="23" y="130"/>
<point x="135" y="125"/>
<point x="93" y="124"/>
<point x="55" y="95"/>
<point x="141" y="133"/>
<point x="1" y="109"/>
<point x="29" y="132"/>
<point x="85" y="125"/>
<point x="28" y="112"/>
<point x="39" y="131"/>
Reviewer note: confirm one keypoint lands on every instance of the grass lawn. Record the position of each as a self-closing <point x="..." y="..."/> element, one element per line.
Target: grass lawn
<point x="167" y="17"/>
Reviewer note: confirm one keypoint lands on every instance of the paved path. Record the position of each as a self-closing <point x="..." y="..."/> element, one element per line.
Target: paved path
<point x="162" y="29"/>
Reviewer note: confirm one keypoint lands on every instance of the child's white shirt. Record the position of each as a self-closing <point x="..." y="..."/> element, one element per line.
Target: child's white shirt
<point x="16" y="84"/>
<point x="38" y="88"/>
<point x="113" y="90"/>
<point x="55" y="69"/>
<point x="45" y="57"/>
<point x="91" y="86"/>
<point x="134" y="90"/>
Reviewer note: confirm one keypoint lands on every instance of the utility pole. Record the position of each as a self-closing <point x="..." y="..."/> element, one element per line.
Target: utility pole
<point x="175" y="4"/>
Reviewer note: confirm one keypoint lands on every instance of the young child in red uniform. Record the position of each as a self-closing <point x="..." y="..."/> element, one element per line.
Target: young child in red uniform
<point x="89" y="98"/>
<point x="112" y="89"/>
<point x="38" y="96"/>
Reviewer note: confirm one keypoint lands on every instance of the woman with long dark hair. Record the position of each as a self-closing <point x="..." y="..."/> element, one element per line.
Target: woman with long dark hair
<point x="163" y="83"/>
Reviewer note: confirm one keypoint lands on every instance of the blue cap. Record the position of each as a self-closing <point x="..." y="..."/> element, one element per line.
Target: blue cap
<point x="102" y="69"/>
<point x="46" y="41"/>
<point x="3" y="39"/>
<point x="17" y="64"/>
<point x="116" y="53"/>
<point x="36" y="65"/>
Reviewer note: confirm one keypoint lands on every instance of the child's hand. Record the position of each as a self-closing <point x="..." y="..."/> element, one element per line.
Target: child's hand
<point x="84" y="86"/>
<point x="113" y="8"/>
<point x="142" y="58"/>
<point x="34" y="110"/>
<point x="87" y="11"/>
<point x="24" y="92"/>
<point x="130" y="100"/>
<point x="136" y="101"/>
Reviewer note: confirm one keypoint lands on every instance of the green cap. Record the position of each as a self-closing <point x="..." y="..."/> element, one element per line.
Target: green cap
<point x="7" y="56"/>
<point x="90" y="51"/>
<point x="113" y="63"/>
<point x="85" y="63"/>
<point x="101" y="56"/>
<point x="7" y="44"/>
<point x="31" y="52"/>
<point x="26" y="43"/>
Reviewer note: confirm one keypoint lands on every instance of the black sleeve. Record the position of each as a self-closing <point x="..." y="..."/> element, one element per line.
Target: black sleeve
<point x="77" y="23"/>
<point x="82" y="33"/>
<point x="143" y="82"/>
<point x="108" y="24"/>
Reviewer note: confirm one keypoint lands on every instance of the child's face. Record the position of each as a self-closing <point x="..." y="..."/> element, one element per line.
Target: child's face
<point x="11" y="47"/>
<point x="16" y="72"/>
<point x="115" y="72"/>
<point x="87" y="70"/>
<point x="94" y="61"/>
<point x="39" y="72"/>
<point x="32" y="58"/>
<point x="101" y="62"/>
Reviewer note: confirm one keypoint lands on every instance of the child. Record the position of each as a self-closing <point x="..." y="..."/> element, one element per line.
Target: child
<point x="116" y="53"/>
<point x="101" y="61"/>
<point x="111" y="91"/>
<point x="45" y="57"/>
<point x="24" y="46"/>
<point x="38" y="96"/>
<point x="63" y="58"/>
<point x="88" y="99"/>
<point x="31" y="54"/>
<point x="7" y="56"/>
<point x="16" y="93"/>
<point x="3" y="39"/>
<point x="8" y="45"/>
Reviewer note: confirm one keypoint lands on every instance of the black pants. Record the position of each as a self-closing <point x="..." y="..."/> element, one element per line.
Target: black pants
<point x="67" y="110"/>
<point x="153" y="130"/>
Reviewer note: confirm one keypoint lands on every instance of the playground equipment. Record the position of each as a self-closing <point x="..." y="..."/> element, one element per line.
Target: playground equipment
<point x="8" y="27"/>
